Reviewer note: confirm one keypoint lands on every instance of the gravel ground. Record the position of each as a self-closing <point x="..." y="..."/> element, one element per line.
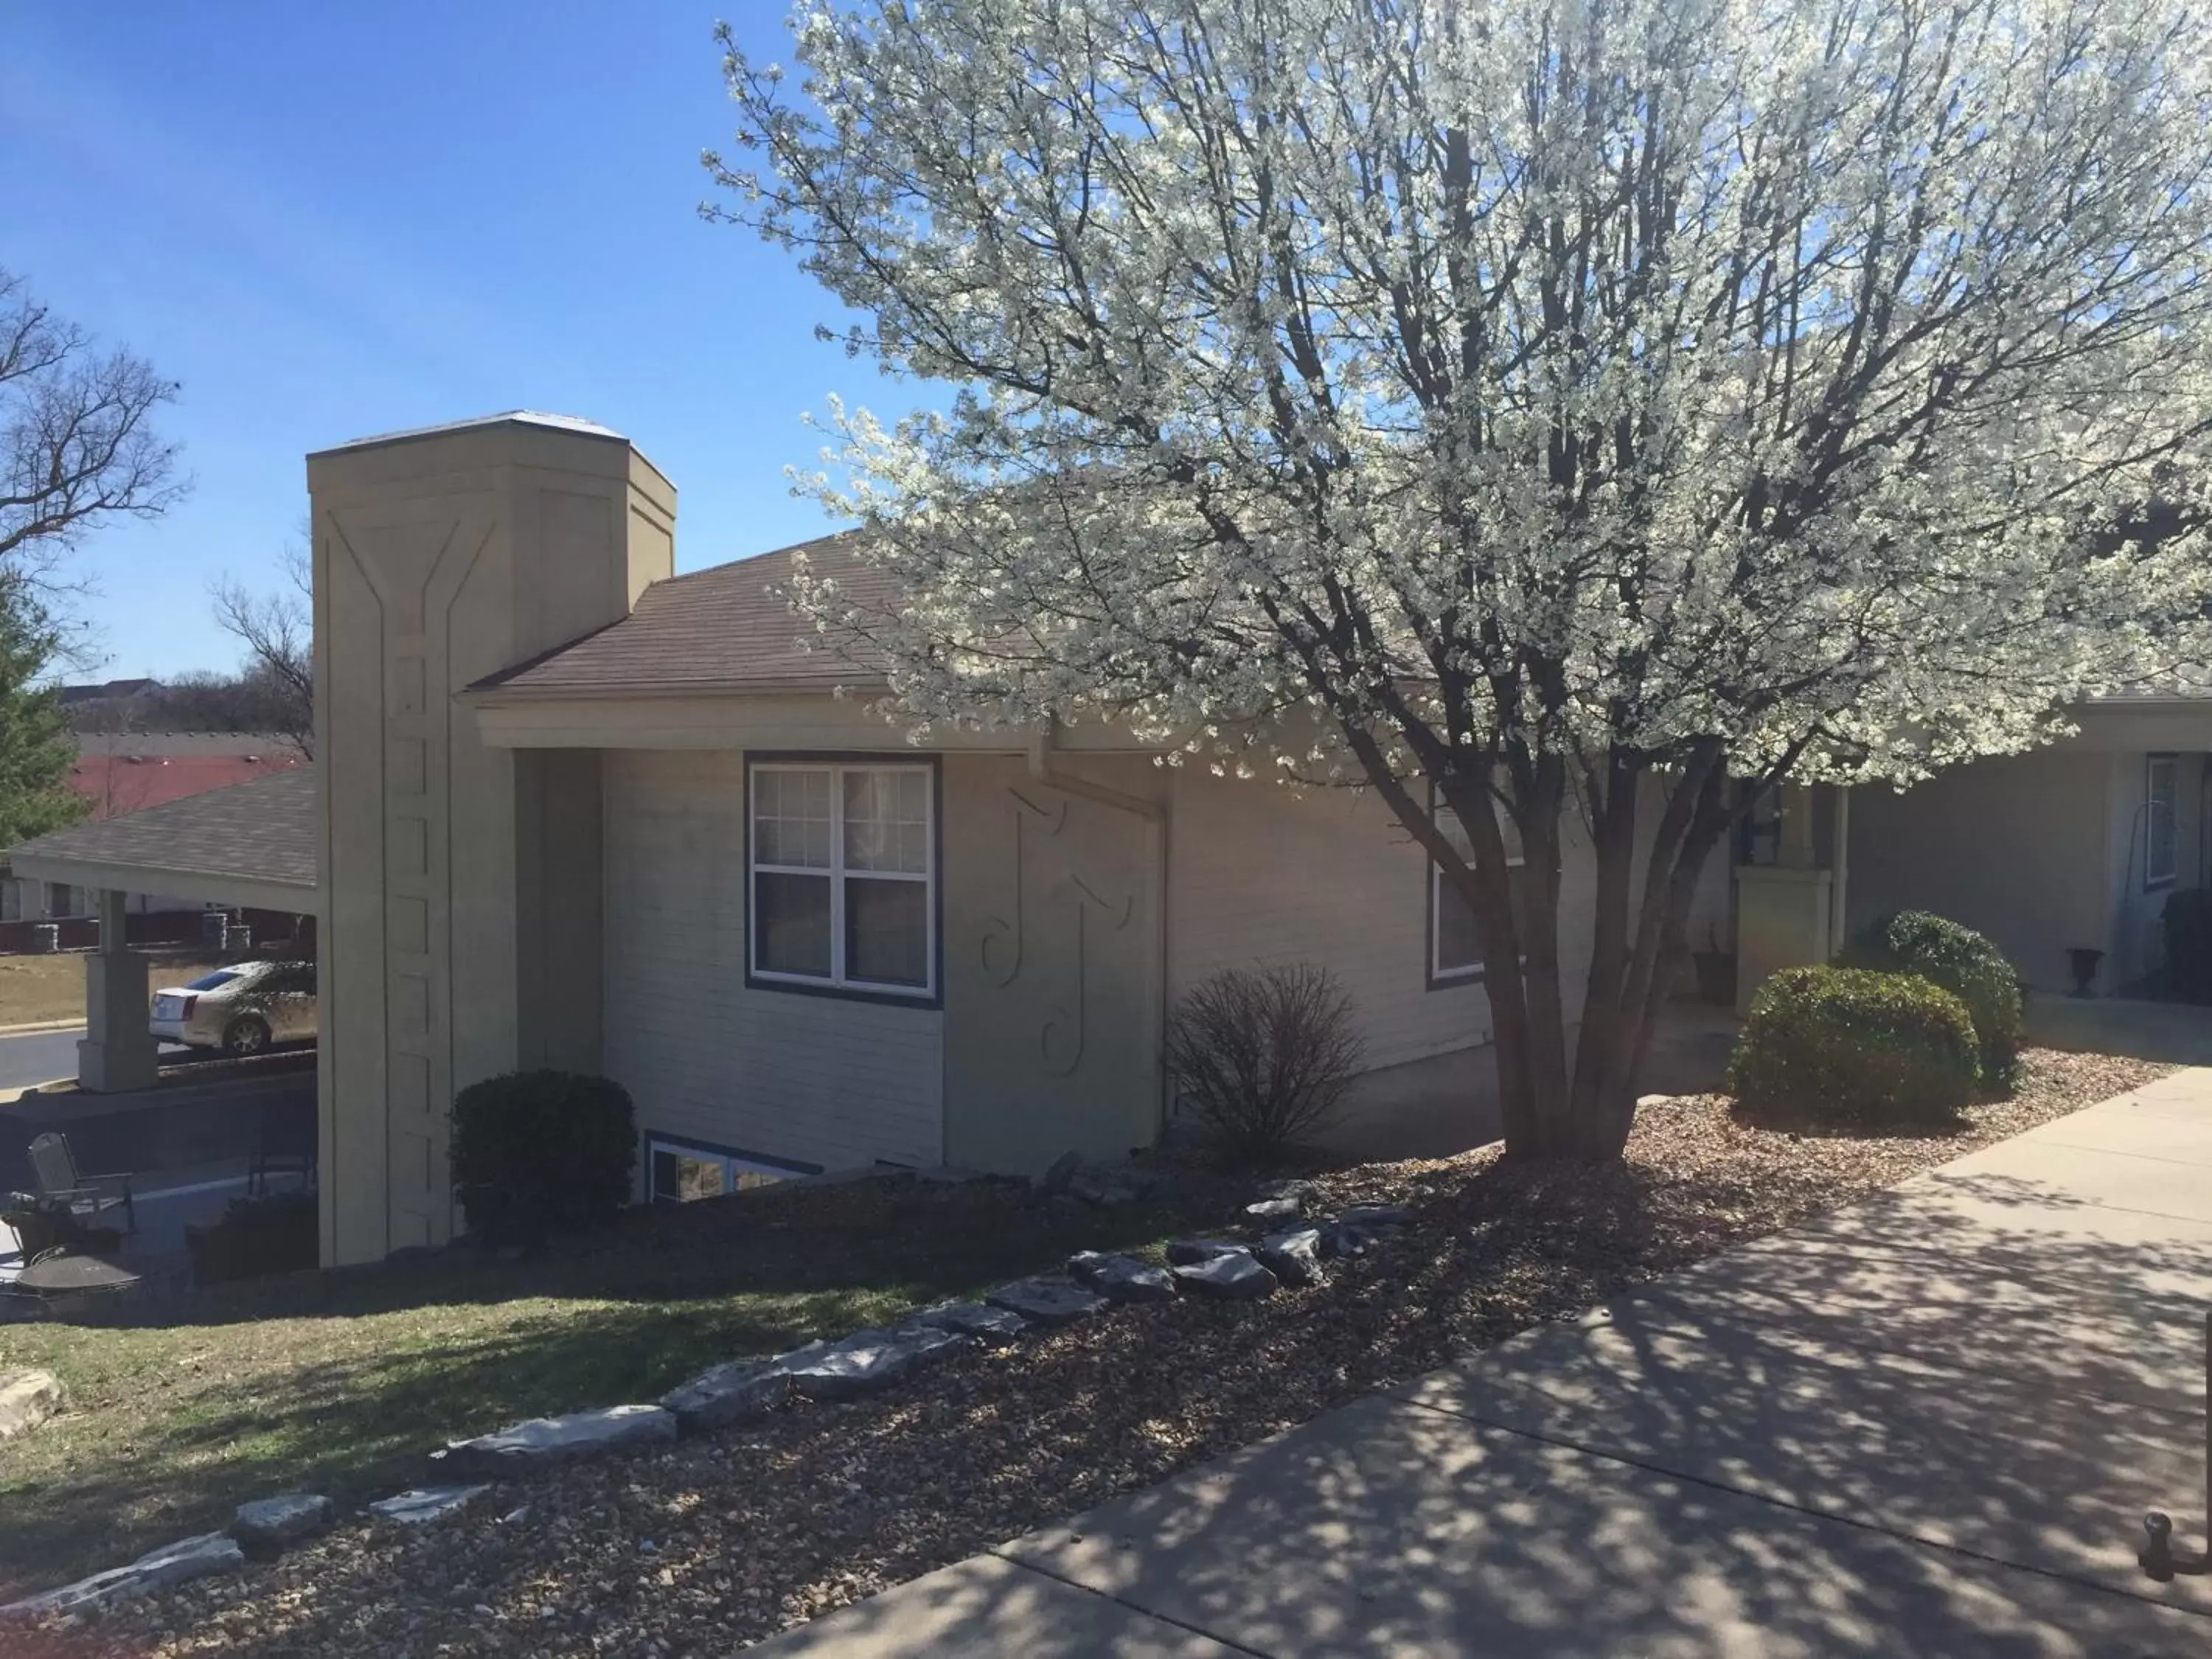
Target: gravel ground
<point x="719" y="1541"/>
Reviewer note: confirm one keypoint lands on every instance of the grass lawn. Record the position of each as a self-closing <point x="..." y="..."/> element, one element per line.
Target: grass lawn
<point x="341" y="1383"/>
<point x="36" y="989"/>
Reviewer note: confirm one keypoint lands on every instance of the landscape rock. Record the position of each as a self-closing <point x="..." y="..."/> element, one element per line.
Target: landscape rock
<point x="1293" y="1255"/>
<point x="867" y="1361"/>
<point x="1182" y="1252"/>
<point x="545" y="1441"/>
<point x="993" y="1328"/>
<point x="1095" y="1185"/>
<point x="1285" y="1208"/>
<point x="172" y="1564"/>
<point x="1046" y="1301"/>
<point x="1121" y="1278"/>
<point x="1301" y="1190"/>
<point x="1236" y="1277"/>
<point x="1062" y="1171"/>
<point x="422" y="1504"/>
<point x="264" y="1526"/>
<point x="738" y="1391"/>
<point x="1338" y="1241"/>
<point x="1369" y="1216"/>
<point x="27" y="1400"/>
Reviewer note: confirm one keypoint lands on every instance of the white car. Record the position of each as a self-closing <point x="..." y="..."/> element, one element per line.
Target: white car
<point x="241" y="1009"/>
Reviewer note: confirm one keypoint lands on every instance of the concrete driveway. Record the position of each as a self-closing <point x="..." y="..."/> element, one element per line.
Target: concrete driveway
<point x="1925" y="1424"/>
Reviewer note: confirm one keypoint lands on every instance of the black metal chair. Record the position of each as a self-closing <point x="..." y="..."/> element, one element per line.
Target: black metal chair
<point x="284" y="1146"/>
<point x="88" y="1197"/>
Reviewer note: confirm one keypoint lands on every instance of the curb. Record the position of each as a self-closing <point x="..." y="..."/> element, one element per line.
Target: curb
<point x="48" y="1089"/>
<point x="37" y="1027"/>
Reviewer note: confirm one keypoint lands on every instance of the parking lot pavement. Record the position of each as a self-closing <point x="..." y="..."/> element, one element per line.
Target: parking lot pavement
<point x="35" y="1057"/>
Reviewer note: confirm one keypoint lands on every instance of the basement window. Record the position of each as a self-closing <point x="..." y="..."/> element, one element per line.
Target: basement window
<point x="682" y="1170"/>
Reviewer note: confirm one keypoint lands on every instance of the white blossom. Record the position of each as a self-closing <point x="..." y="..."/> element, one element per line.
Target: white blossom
<point x="1535" y="398"/>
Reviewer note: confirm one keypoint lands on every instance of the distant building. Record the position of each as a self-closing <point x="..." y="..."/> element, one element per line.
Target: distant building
<point x="124" y="772"/>
<point x="117" y="691"/>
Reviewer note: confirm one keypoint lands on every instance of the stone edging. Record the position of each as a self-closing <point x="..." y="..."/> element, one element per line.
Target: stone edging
<point x="738" y="1391"/>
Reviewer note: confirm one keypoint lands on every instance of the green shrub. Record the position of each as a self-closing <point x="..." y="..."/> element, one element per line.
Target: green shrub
<point x="540" y="1153"/>
<point x="1965" y="963"/>
<point x="2187" y="920"/>
<point x="1853" y="1042"/>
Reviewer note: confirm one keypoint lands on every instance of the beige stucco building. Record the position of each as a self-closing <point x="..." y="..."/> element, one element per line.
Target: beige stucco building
<point x="582" y="813"/>
<point x="572" y="810"/>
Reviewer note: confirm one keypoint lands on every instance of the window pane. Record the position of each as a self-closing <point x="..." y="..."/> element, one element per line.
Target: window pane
<point x="680" y="1176"/>
<point x="749" y="1177"/>
<point x="1447" y="822"/>
<point x="887" y="932"/>
<point x="887" y="820"/>
<point x="791" y="924"/>
<point x="791" y="817"/>
<point x="2160" y="828"/>
<point x="698" y="1177"/>
<point x="1459" y="941"/>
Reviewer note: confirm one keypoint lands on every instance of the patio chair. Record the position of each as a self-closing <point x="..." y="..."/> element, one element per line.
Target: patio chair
<point x="286" y="1145"/>
<point x="88" y="1197"/>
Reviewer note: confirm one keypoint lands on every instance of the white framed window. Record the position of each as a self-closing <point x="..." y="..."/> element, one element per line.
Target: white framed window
<point x="841" y="886"/>
<point x="11" y="899"/>
<point x="680" y="1171"/>
<point x="61" y="899"/>
<point x="1455" y="936"/>
<point x="2161" y="801"/>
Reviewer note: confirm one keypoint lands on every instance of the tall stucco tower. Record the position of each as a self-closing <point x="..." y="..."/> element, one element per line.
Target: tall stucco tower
<point x="460" y="883"/>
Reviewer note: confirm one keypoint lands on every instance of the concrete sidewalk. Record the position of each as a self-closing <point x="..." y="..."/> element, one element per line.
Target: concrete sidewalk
<point x="1928" y="1424"/>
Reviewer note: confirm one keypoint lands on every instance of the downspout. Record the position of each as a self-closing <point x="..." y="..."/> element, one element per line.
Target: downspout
<point x="1040" y="768"/>
<point x="1155" y="814"/>
<point x="1839" y="882"/>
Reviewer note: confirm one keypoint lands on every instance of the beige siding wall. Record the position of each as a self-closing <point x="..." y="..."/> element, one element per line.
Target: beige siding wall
<point x="2016" y="847"/>
<point x="1258" y="874"/>
<point x="819" y="1080"/>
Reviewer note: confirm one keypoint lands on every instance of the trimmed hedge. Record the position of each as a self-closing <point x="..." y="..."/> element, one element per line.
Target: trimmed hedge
<point x="1855" y="1042"/>
<point x="537" y="1153"/>
<point x="1965" y="963"/>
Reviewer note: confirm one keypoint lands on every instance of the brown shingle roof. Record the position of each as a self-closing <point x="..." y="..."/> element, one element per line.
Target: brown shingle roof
<point x="715" y="629"/>
<point x="267" y="831"/>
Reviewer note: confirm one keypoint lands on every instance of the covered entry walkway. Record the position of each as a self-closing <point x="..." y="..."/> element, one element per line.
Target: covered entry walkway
<point x="253" y="846"/>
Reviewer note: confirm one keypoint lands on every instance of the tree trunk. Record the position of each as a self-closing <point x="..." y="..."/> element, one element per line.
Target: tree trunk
<point x="1568" y="1087"/>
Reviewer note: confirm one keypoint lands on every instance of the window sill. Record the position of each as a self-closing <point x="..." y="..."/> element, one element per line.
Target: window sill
<point x="815" y="988"/>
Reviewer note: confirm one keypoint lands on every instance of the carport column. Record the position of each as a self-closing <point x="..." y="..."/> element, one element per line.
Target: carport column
<point x="117" y="1050"/>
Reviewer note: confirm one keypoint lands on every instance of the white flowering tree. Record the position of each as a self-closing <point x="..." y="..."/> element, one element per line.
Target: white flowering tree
<point x="1574" y="417"/>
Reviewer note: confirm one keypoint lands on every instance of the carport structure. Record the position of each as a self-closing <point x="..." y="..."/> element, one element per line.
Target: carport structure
<point x="253" y="845"/>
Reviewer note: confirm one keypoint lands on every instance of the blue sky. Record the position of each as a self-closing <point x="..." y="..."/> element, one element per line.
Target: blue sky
<point x="328" y="221"/>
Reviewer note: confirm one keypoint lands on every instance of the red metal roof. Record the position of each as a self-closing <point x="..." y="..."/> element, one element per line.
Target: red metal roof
<point x="116" y="784"/>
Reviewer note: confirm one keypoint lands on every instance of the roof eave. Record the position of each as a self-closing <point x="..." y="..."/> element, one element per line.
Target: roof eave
<point x="495" y="696"/>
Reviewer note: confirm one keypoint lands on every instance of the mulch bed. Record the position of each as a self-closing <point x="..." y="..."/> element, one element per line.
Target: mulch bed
<point x="722" y="1540"/>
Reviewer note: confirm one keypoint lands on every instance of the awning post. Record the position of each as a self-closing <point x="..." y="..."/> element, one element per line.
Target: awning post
<point x="117" y="1051"/>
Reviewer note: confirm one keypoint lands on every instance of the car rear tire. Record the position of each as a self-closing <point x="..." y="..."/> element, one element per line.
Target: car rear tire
<point x="246" y="1034"/>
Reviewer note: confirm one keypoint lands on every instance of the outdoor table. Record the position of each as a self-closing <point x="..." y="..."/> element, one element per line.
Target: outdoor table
<point x="59" y="1275"/>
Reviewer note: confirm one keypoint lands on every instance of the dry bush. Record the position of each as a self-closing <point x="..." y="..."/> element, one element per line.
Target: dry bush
<point x="1263" y="1056"/>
